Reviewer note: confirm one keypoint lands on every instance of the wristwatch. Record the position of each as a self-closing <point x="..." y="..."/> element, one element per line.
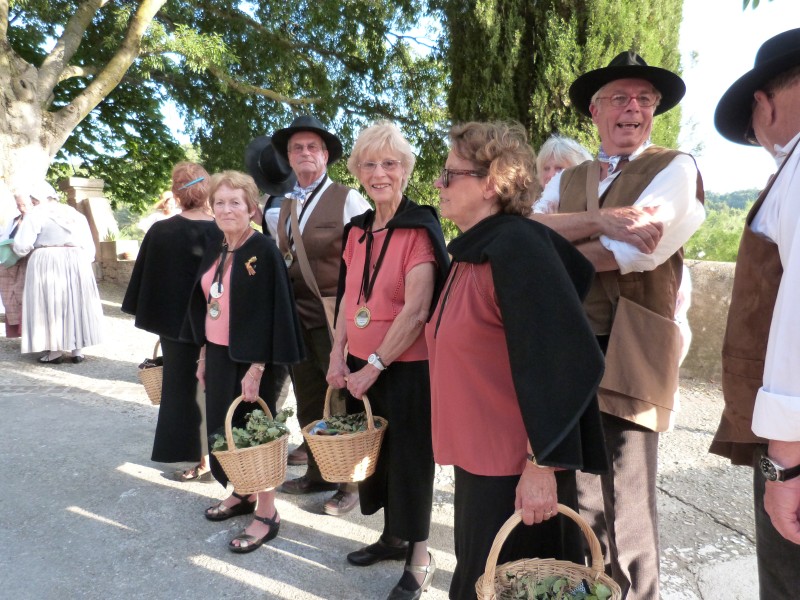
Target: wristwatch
<point x="375" y="361"/>
<point x="772" y="471"/>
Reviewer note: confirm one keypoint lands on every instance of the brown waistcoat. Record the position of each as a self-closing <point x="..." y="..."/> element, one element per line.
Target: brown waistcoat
<point x="322" y="239"/>
<point x="755" y="289"/>
<point x="641" y="379"/>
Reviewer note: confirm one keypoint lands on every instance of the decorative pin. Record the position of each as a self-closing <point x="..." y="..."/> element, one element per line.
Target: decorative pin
<point x="288" y="259"/>
<point x="250" y="265"/>
<point x="362" y="317"/>
<point x="217" y="289"/>
<point x="214" y="310"/>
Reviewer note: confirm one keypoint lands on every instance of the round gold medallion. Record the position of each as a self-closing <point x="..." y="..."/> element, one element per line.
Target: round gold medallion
<point x="362" y="317"/>
<point x="214" y="310"/>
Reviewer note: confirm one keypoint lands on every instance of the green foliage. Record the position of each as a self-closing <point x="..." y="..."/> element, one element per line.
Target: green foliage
<point x="719" y="236"/>
<point x="553" y="587"/>
<point x="259" y="429"/>
<point x="514" y="59"/>
<point x="337" y="424"/>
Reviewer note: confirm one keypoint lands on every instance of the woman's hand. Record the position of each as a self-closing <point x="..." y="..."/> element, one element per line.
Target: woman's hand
<point x="536" y="494"/>
<point x="337" y="371"/>
<point x="251" y="382"/>
<point x="359" y="382"/>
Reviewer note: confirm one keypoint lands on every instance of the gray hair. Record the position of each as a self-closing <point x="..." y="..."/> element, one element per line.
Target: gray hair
<point x="563" y="150"/>
<point x="380" y="137"/>
<point x="597" y="94"/>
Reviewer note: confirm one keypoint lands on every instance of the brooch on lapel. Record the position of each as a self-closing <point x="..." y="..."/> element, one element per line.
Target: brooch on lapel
<point x="249" y="265"/>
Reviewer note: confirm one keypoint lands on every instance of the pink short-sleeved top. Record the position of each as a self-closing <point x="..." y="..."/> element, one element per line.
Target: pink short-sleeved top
<point x="407" y="249"/>
<point x="218" y="330"/>
<point x="476" y="420"/>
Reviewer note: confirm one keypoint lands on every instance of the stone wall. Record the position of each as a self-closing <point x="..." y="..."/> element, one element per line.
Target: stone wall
<point x="708" y="313"/>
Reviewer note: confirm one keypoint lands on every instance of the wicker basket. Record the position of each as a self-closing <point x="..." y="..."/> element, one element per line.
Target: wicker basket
<point x="493" y="582"/>
<point x="255" y="469"/>
<point x="347" y="457"/>
<point x="151" y="378"/>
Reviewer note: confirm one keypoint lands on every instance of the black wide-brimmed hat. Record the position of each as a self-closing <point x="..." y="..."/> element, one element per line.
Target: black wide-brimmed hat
<point x="627" y="65"/>
<point x="735" y="108"/>
<point x="272" y="173"/>
<point x="307" y="123"/>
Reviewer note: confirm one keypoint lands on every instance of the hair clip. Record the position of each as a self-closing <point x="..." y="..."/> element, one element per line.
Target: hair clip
<point x="251" y="270"/>
<point x="192" y="182"/>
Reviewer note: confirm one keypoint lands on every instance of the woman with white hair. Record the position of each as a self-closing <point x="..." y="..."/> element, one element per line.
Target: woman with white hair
<point x="556" y="154"/>
<point x="61" y="310"/>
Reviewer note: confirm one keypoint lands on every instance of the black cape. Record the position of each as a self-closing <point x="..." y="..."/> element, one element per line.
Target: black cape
<point x="556" y="364"/>
<point x="409" y="215"/>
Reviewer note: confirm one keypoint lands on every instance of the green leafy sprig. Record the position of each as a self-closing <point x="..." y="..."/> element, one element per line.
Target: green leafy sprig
<point x="259" y="429"/>
<point x="525" y="587"/>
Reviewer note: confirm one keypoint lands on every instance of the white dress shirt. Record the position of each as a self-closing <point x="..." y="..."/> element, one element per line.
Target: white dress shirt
<point x="672" y="190"/>
<point x="777" y="411"/>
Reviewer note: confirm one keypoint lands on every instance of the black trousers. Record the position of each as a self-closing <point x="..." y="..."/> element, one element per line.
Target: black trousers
<point x="778" y="558"/>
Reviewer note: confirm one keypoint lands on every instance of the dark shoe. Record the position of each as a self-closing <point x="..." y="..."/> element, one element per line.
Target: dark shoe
<point x="45" y="360"/>
<point x="304" y="485"/>
<point x="340" y="503"/>
<point x="374" y="553"/>
<point x="193" y="474"/>
<point x="13" y="331"/>
<point x="298" y="456"/>
<point x="220" y="512"/>
<point x="252" y="542"/>
<point x="401" y="593"/>
<point x="78" y="359"/>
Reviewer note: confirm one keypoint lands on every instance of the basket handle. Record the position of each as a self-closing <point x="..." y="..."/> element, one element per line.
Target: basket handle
<point x="229" y="417"/>
<point x="326" y="411"/>
<point x="514" y="520"/>
<point x="155" y="348"/>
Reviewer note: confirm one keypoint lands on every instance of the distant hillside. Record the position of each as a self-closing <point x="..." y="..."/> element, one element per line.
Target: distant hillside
<point x="738" y="199"/>
<point x="718" y="237"/>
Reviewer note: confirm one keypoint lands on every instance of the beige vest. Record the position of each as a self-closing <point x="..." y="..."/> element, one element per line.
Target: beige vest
<point x="755" y="289"/>
<point x="636" y="310"/>
<point x="322" y="239"/>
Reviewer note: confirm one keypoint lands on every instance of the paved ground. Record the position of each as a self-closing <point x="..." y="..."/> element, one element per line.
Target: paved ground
<point x="84" y="513"/>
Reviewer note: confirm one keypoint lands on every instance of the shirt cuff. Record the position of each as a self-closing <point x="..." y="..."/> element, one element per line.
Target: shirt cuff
<point x="776" y="417"/>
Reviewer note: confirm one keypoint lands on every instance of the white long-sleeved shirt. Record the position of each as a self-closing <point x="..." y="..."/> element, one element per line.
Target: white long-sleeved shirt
<point x="777" y="410"/>
<point x="53" y="224"/>
<point x="672" y="190"/>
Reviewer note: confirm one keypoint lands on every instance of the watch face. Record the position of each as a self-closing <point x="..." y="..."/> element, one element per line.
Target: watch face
<point x="371" y="359"/>
<point x="768" y="469"/>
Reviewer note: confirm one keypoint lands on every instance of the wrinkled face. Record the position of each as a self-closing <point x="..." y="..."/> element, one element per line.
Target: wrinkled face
<point x="549" y="170"/>
<point x="623" y="129"/>
<point x="467" y="199"/>
<point x="382" y="175"/>
<point x="231" y="211"/>
<point x="307" y="157"/>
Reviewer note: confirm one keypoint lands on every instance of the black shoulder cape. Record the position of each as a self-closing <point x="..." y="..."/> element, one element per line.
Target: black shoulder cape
<point x="556" y="364"/>
<point x="409" y="215"/>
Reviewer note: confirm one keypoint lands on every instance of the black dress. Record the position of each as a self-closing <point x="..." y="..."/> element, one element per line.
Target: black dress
<point x="158" y="296"/>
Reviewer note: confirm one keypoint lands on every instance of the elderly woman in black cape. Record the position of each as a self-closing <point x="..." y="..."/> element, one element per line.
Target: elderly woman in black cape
<point x="514" y="364"/>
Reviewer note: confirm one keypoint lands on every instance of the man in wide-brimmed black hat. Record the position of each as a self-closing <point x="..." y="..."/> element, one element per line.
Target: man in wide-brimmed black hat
<point x="629" y="211"/>
<point x="272" y="175"/>
<point x="313" y="251"/>
<point x="760" y="424"/>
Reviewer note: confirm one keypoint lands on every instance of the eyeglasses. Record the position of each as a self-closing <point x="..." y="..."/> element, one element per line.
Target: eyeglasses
<point x="298" y="148"/>
<point x="622" y="100"/>
<point x="448" y="173"/>
<point x="388" y="166"/>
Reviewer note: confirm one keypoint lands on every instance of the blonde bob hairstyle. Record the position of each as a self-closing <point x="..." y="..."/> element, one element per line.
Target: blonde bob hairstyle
<point x="194" y="196"/>
<point x="378" y="141"/>
<point x="502" y="150"/>
<point x="238" y="181"/>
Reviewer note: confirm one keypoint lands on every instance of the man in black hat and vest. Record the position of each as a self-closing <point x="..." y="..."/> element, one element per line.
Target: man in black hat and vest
<point x="310" y="228"/>
<point x="760" y="424"/>
<point x="273" y="176"/>
<point x="630" y="211"/>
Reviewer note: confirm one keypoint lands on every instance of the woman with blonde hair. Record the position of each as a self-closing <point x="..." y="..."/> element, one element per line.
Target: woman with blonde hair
<point x="514" y="364"/>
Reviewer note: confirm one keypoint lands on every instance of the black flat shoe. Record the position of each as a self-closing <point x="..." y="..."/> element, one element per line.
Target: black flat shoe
<point x="377" y="552"/>
<point x="220" y="512"/>
<point x="78" y="359"/>
<point x="51" y="361"/>
<point x="251" y="542"/>
<point x="401" y="593"/>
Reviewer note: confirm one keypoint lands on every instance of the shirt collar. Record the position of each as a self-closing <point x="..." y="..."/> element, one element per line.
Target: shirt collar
<point x="613" y="160"/>
<point x="301" y="193"/>
<point x="781" y="152"/>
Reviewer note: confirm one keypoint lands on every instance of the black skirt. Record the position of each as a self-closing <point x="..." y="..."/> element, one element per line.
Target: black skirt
<point x="403" y="480"/>
<point x="178" y="436"/>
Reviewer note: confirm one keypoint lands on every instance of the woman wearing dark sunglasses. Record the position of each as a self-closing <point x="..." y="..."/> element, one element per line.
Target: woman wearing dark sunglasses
<point x="514" y="364"/>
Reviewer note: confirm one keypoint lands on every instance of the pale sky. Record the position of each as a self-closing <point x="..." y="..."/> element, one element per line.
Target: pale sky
<point x="726" y="40"/>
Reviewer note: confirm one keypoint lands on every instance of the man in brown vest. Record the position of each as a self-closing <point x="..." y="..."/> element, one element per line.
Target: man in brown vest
<point x="310" y="227"/>
<point x="760" y="424"/>
<point x="630" y="211"/>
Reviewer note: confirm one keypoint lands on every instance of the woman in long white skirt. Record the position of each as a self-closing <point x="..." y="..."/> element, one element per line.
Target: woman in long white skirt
<point x="61" y="310"/>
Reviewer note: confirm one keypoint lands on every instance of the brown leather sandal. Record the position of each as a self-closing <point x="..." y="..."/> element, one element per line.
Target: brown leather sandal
<point x="220" y="512"/>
